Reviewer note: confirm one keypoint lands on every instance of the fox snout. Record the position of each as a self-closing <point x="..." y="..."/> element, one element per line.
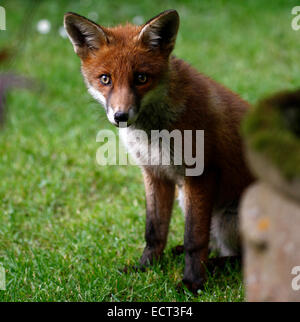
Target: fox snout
<point x="117" y="116"/>
<point x="121" y="117"/>
<point x="121" y="106"/>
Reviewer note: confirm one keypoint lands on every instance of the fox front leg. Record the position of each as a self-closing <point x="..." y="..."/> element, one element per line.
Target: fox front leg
<point x="159" y="203"/>
<point x="198" y="192"/>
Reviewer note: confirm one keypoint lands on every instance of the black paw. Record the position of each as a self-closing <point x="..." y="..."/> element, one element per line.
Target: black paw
<point x="133" y="269"/>
<point x="178" y="250"/>
<point x="221" y="263"/>
<point x="193" y="286"/>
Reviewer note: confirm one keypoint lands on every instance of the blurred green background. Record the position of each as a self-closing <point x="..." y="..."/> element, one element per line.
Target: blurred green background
<point x="67" y="225"/>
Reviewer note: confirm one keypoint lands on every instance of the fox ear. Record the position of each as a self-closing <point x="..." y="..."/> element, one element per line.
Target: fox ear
<point x="161" y="31"/>
<point x="84" y="34"/>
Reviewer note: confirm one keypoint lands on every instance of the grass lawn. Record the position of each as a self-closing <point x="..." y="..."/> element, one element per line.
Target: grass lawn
<point x="67" y="224"/>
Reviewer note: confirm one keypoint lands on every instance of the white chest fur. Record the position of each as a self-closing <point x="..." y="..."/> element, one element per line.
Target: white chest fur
<point x="149" y="151"/>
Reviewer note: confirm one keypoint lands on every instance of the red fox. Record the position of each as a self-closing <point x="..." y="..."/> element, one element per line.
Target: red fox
<point x="131" y="72"/>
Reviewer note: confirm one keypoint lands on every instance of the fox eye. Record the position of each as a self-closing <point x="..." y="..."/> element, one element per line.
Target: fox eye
<point x="105" y="79"/>
<point x="141" y="79"/>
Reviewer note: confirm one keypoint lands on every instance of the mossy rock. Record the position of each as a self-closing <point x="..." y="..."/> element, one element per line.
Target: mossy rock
<point x="272" y="134"/>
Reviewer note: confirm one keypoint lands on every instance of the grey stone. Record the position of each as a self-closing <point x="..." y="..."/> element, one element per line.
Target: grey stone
<point x="270" y="225"/>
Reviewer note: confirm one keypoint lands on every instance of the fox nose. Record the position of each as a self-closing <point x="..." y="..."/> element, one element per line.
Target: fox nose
<point x="121" y="117"/>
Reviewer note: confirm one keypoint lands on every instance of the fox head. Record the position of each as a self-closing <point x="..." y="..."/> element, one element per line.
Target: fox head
<point x="124" y="65"/>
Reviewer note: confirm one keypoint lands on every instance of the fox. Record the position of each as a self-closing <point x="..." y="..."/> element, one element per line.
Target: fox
<point x="131" y="71"/>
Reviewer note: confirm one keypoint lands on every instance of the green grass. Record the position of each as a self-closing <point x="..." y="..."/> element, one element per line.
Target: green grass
<point x="69" y="225"/>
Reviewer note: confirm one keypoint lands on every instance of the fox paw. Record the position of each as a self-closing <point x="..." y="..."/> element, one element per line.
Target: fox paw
<point x="177" y="250"/>
<point x="193" y="287"/>
<point x="133" y="269"/>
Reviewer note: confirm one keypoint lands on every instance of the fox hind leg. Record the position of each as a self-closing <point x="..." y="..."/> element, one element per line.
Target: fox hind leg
<point x="225" y="237"/>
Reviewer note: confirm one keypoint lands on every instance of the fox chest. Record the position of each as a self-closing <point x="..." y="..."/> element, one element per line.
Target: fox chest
<point x="150" y="151"/>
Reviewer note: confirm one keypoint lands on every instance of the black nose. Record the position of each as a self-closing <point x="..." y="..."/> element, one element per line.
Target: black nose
<point x="121" y="117"/>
